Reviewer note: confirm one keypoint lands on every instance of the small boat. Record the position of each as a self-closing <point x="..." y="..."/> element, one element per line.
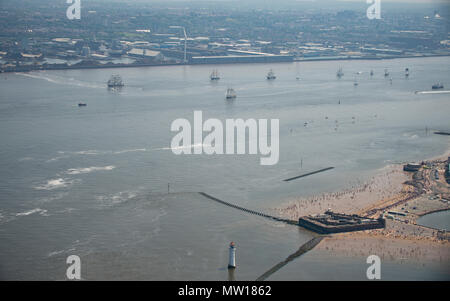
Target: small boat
<point x="214" y="75"/>
<point x="406" y="72"/>
<point x="231" y="94"/>
<point x="437" y="86"/>
<point x="386" y="73"/>
<point x="115" y="81"/>
<point x="82" y="104"/>
<point x="339" y="73"/>
<point x="271" y="75"/>
<point x="371" y="72"/>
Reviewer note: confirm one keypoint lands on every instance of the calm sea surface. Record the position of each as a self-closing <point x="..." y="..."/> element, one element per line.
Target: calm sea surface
<point x="92" y="181"/>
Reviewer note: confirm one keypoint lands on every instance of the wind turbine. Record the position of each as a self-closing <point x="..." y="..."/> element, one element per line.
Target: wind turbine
<point x="185" y="39"/>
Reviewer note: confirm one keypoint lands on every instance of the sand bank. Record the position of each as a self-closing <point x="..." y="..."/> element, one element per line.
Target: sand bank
<point x="410" y="194"/>
<point x="388" y="246"/>
<point x="387" y="184"/>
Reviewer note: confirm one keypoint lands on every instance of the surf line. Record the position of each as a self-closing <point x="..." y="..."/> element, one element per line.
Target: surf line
<point x="308" y="174"/>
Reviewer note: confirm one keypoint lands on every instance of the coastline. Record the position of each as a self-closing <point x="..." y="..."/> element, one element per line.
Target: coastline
<point x="29" y="68"/>
<point x="415" y="194"/>
<point x="386" y="183"/>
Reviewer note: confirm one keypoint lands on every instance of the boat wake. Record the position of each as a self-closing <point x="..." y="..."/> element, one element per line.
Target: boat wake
<point x="61" y="80"/>
<point x="55" y="184"/>
<point x="433" y="92"/>
<point x="184" y="147"/>
<point x="107" y="201"/>
<point x="67" y="154"/>
<point x="270" y="94"/>
<point x="99" y="152"/>
<point x="42" y="212"/>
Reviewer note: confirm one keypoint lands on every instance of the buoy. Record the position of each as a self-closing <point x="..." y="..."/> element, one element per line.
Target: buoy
<point x="232" y="261"/>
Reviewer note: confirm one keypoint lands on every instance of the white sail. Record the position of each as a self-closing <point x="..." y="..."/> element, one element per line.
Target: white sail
<point x="214" y="75"/>
<point x="230" y="93"/>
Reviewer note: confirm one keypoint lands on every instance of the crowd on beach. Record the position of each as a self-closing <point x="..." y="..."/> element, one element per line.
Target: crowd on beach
<point x="355" y="199"/>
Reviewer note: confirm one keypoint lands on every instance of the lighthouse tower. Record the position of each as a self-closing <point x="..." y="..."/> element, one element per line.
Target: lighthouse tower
<point x="232" y="261"/>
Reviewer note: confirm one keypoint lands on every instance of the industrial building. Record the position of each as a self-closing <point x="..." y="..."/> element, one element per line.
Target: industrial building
<point x="231" y="59"/>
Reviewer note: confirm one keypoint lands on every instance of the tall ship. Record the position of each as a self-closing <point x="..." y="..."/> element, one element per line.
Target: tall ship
<point x="231" y="94"/>
<point x="437" y="86"/>
<point x="115" y="81"/>
<point x="340" y="73"/>
<point x="386" y="73"/>
<point x="271" y="75"/>
<point x="214" y="75"/>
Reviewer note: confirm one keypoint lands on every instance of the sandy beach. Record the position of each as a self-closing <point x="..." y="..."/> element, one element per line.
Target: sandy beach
<point x="394" y="248"/>
<point x="391" y="189"/>
<point x="387" y="184"/>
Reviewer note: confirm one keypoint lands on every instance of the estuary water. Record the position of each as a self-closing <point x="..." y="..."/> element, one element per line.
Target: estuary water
<point x="93" y="181"/>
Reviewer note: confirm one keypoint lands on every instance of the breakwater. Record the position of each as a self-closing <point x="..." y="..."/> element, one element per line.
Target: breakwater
<point x="309" y="245"/>
<point x="308" y="174"/>
<point x="247" y="210"/>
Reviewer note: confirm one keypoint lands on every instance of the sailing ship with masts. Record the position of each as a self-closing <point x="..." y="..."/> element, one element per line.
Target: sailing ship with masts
<point x="271" y="75"/>
<point x="214" y="75"/>
<point x="115" y="81"/>
<point x="437" y="86"/>
<point x="231" y="94"/>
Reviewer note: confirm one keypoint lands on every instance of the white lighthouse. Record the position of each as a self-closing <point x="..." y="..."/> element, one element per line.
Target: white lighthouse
<point x="232" y="261"/>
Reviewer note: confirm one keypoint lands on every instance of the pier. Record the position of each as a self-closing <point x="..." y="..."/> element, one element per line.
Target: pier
<point x="326" y="223"/>
<point x="308" y="174"/>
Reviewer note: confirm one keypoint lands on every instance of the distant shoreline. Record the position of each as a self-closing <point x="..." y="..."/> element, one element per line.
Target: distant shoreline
<point x="24" y="69"/>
